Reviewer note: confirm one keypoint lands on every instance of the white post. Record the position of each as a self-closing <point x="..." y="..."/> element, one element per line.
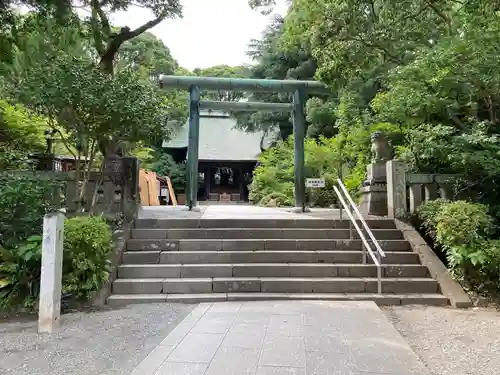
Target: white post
<point x="51" y="275"/>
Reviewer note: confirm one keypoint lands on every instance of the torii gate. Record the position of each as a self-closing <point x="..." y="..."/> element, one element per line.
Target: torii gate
<point x="300" y="90"/>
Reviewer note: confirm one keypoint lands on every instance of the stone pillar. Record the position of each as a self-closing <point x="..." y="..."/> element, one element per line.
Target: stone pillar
<point x="396" y="189"/>
<point x="374" y="191"/>
<point x="130" y="195"/>
<point x="51" y="274"/>
<point x="299" y="124"/>
<point x="193" y="147"/>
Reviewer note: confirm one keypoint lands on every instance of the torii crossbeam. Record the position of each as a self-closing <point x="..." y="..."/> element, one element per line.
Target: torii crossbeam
<point x="300" y="90"/>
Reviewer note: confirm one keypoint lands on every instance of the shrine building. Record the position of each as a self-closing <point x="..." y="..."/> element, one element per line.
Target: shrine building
<point x="227" y="155"/>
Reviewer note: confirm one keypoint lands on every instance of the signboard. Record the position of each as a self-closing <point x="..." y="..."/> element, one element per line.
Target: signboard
<point x="315" y="182"/>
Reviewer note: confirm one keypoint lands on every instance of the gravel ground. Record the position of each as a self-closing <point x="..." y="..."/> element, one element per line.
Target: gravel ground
<point x="106" y="342"/>
<point x="451" y="341"/>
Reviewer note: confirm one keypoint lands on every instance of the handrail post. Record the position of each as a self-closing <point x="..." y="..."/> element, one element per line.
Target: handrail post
<point x="379" y="274"/>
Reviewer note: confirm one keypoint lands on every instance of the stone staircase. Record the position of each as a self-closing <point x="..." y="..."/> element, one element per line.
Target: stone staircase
<point x="191" y="260"/>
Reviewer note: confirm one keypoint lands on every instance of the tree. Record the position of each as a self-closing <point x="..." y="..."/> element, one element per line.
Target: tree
<point x="147" y="54"/>
<point x="275" y="62"/>
<point x="107" y="41"/>
<point x="224" y="71"/>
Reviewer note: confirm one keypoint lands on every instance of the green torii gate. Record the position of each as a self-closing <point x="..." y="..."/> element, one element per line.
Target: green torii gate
<point x="300" y="89"/>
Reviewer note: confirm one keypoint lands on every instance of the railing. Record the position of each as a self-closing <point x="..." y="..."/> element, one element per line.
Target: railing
<point x="377" y="259"/>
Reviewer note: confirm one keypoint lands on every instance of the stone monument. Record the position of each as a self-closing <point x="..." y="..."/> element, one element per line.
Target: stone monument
<point x="374" y="190"/>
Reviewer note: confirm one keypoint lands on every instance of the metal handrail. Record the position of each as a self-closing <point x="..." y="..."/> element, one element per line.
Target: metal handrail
<point x="366" y="247"/>
<point x="360" y="217"/>
<point x="360" y="232"/>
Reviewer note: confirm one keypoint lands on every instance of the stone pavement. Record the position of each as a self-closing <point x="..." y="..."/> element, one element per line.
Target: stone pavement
<point x="239" y="212"/>
<point x="283" y="338"/>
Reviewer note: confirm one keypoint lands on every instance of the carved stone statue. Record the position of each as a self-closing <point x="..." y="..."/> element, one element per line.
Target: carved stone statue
<point x="381" y="148"/>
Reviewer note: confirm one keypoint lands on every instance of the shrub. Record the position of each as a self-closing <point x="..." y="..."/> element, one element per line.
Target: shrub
<point x="23" y="203"/>
<point x="88" y="243"/>
<point x="462" y="229"/>
<point x="276" y="199"/>
<point x="87" y="249"/>
<point x="427" y="212"/>
<point x="275" y="173"/>
<point x="166" y="166"/>
<point x="20" y="274"/>
<point x="462" y="223"/>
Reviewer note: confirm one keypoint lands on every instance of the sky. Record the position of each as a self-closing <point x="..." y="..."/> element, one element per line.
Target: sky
<point x="212" y="32"/>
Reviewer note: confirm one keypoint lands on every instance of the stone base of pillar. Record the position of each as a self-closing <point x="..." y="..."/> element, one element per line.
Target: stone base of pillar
<point x="193" y="209"/>
<point x="298" y="210"/>
<point x="373" y="200"/>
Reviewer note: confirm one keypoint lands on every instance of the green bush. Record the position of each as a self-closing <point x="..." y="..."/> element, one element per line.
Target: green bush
<point x="23" y="203"/>
<point x="428" y="212"/>
<point x="276" y="199"/>
<point x="20" y="274"/>
<point x="166" y="166"/>
<point x="275" y="173"/>
<point x="462" y="223"/>
<point x="462" y="229"/>
<point x="88" y="243"/>
<point x="87" y="248"/>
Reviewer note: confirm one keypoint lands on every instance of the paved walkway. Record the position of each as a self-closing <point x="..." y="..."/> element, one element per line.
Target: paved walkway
<point x="283" y="338"/>
<point x="237" y="212"/>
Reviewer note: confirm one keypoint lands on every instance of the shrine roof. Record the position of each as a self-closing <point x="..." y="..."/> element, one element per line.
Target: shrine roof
<point x="220" y="139"/>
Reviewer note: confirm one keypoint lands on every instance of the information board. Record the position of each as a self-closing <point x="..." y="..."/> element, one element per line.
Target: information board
<point x="315" y="182"/>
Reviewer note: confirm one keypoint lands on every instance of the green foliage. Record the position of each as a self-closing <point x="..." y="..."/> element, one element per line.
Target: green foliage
<point x="88" y="244"/>
<point x="93" y="106"/>
<point x="274" y="177"/>
<point x="23" y="202"/>
<point x="224" y="71"/>
<point x="462" y="223"/>
<point x="148" y="54"/>
<point x="463" y="230"/>
<point x="272" y="61"/>
<point x="21" y="133"/>
<point x="428" y="213"/>
<point x="166" y="166"/>
<point x="276" y="199"/>
<point x="20" y="269"/>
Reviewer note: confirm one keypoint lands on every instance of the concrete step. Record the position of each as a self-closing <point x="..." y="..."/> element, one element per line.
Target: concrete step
<point x="143" y="271"/>
<point x="260" y="244"/>
<point x="274" y="285"/>
<point x="259" y="233"/>
<point x="263" y="256"/>
<point x="380" y="299"/>
<point x="257" y="223"/>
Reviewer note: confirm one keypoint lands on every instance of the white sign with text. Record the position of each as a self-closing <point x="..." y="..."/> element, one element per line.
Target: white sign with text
<point x="315" y="182"/>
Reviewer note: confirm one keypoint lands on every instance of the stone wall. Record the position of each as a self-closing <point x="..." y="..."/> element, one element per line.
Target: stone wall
<point x="117" y="189"/>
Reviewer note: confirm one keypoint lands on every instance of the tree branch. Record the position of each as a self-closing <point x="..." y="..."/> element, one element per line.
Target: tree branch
<point x="440" y="13"/>
<point x="107" y="58"/>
